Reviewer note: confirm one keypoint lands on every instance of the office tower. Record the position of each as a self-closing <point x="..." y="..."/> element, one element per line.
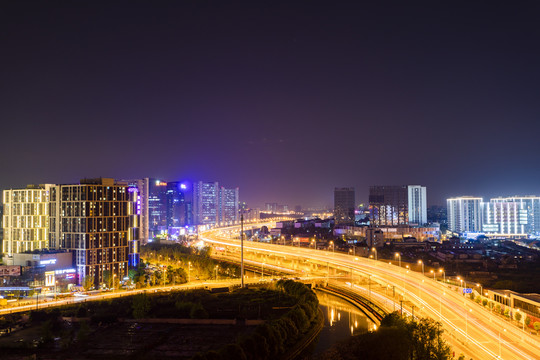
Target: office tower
<point x="206" y="203"/>
<point x="174" y="209"/>
<point x="344" y="206"/>
<point x="188" y="218"/>
<point x="464" y="214"/>
<point x="417" y="205"/>
<point x="157" y="207"/>
<point x="504" y="218"/>
<point x="389" y="205"/>
<point x="26" y="219"/>
<point x="228" y="206"/>
<point x="143" y="188"/>
<point x="97" y="220"/>
<point x="515" y="215"/>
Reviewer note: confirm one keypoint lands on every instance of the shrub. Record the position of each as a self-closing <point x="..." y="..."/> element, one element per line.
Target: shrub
<point x="198" y="312"/>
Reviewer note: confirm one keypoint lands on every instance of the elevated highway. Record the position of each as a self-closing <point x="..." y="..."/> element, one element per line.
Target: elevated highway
<point x="469" y="327"/>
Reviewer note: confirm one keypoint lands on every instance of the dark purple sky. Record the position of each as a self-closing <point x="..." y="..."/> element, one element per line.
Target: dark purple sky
<point x="284" y="99"/>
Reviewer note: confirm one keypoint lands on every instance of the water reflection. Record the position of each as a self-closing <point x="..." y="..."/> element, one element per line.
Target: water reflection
<point x="342" y="320"/>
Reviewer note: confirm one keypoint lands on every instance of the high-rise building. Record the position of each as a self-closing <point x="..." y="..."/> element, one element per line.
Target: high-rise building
<point x="143" y="188"/>
<point x="228" y="205"/>
<point x="389" y="205"/>
<point x="98" y="221"/>
<point x="464" y="214"/>
<point x="515" y="215"/>
<point x="175" y="206"/>
<point x="344" y="205"/>
<point x="26" y="219"/>
<point x="206" y="203"/>
<point x="157" y="207"/>
<point x="417" y="205"/>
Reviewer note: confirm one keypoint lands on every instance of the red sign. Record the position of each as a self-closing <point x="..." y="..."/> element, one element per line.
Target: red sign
<point x="10" y="270"/>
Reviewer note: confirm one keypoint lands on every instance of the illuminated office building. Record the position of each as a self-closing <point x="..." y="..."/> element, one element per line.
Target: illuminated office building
<point x="26" y="219"/>
<point x="206" y="203"/>
<point x="464" y="214"/>
<point x="417" y="205"/>
<point x="98" y="220"/>
<point x="344" y="206"/>
<point x="515" y="215"/>
<point x="175" y="204"/>
<point x="228" y="205"/>
<point x="143" y="188"/>
<point x="389" y="205"/>
<point x="157" y="207"/>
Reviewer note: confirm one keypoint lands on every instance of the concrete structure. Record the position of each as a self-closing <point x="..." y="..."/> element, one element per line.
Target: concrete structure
<point x="26" y="219"/>
<point x="465" y="214"/>
<point x="344" y="206"/>
<point x="417" y="205"/>
<point x="98" y="221"/>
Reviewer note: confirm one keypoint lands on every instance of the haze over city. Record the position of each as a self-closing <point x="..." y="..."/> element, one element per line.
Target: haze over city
<point x="285" y="100"/>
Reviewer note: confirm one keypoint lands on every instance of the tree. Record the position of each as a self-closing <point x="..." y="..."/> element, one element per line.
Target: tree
<point x="518" y="316"/>
<point x="88" y="282"/>
<point x="527" y="321"/>
<point x="108" y="278"/>
<point x="536" y="326"/>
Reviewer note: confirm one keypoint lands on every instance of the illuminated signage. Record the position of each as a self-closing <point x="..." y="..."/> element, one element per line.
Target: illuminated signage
<point x="47" y="262"/>
<point x="64" y="271"/>
<point x="160" y="183"/>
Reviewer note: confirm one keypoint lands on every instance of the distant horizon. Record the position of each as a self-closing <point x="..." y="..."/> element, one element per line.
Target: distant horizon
<point x="362" y="199"/>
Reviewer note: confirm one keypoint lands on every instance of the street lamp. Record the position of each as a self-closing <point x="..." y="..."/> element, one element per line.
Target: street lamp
<point x="313" y="243"/>
<point x="189" y="271"/>
<point x="398" y="255"/>
<point x="433" y="272"/>
<point x="500" y="342"/>
<point x="444" y="274"/>
<point x="466" y="325"/>
<point x="374" y="250"/>
<point x="420" y="262"/>
<point x="333" y="247"/>
<point x="481" y="289"/>
<point x="216" y="268"/>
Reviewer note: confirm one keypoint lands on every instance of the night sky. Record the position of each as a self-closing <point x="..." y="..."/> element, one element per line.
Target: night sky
<point x="286" y="100"/>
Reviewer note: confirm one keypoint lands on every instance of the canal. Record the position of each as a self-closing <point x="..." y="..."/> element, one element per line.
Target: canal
<point x="341" y="321"/>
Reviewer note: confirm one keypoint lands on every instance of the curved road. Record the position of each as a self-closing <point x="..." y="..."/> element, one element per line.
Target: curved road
<point x="470" y="328"/>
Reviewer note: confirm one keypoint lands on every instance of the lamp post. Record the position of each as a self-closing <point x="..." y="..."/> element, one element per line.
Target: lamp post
<point x="433" y="272"/>
<point x="333" y="247"/>
<point x="398" y="255"/>
<point x="55" y="285"/>
<point x="375" y="251"/>
<point x="466" y="325"/>
<point x="444" y="274"/>
<point x="216" y="268"/>
<point x="420" y="262"/>
<point x="481" y="290"/>
<point x="241" y="248"/>
<point x="189" y="271"/>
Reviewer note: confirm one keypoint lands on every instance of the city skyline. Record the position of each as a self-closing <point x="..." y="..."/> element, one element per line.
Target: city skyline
<point x="292" y="99"/>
